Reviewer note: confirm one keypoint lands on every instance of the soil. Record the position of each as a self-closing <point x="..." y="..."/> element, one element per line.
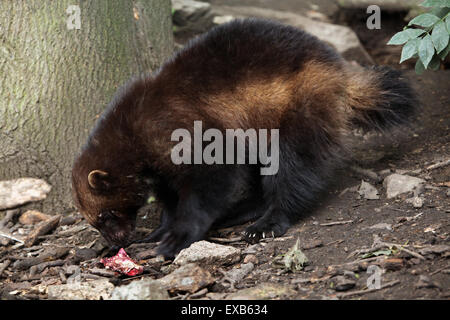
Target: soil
<point x="333" y="236"/>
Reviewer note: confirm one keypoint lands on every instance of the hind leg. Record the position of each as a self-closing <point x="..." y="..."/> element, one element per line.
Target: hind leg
<point x="289" y="193"/>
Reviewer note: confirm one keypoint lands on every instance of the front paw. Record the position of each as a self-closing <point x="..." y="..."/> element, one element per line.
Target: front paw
<point x="170" y="245"/>
<point x="262" y="229"/>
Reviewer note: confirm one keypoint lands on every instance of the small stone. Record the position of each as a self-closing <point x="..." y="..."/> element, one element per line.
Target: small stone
<point x="396" y="184"/>
<point x="381" y="225"/>
<point x="16" y="192"/>
<point x="87" y="290"/>
<point x="263" y="291"/>
<point x="144" y="289"/>
<point x="343" y="284"/>
<point x="191" y="15"/>
<point x="417" y="202"/>
<point x="251" y="258"/>
<point x="368" y="191"/>
<point x="33" y="217"/>
<point x="187" y="278"/>
<point x="208" y="253"/>
<point x="237" y="274"/>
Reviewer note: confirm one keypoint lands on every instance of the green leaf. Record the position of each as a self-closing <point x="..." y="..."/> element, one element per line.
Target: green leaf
<point x="447" y="22"/>
<point x="426" y="50"/>
<point x="444" y="52"/>
<point x="410" y="49"/>
<point x="436" y="3"/>
<point x="405" y="35"/>
<point x="424" y="20"/>
<point x="435" y="63"/>
<point x="440" y="36"/>
<point x="419" y="67"/>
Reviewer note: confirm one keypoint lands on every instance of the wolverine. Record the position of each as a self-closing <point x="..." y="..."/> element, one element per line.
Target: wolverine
<point x="246" y="74"/>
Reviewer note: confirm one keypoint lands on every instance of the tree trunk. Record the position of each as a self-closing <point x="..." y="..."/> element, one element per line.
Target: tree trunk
<point x="55" y="81"/>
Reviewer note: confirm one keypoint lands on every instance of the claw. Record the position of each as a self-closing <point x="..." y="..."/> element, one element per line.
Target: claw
<point x="273" y="235"/>
<point x="263" y="235"/>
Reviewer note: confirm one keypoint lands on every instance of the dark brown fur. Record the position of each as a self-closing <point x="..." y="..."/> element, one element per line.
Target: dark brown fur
<point x="245" y="74"/>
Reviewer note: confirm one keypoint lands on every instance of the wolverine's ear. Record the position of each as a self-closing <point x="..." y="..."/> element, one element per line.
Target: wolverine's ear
<point x="98" y="179"/>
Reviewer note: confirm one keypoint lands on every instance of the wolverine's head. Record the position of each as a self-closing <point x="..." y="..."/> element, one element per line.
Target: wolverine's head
<point x="109" y="201"/>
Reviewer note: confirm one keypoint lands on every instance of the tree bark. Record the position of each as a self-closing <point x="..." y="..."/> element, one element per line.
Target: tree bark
<point x="55" y="82"/>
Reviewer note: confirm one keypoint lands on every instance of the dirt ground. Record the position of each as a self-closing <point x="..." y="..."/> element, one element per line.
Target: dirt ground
<point x="334" y="237"/>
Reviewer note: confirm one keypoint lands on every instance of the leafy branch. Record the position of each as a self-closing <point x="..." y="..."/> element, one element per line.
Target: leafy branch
<point x="430" y="41"/>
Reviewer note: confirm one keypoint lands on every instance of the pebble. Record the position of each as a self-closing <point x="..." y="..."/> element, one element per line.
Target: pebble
<point x="208" y="253"/>
<point x="367" y="191"/>
<point x="86" y="290"/>
<point x="397" y="184"/>
<point x="251" y="258"/>
<point x="343" y="284"/>
<point x="144" y="289"/>
<point x="187" y="278"/>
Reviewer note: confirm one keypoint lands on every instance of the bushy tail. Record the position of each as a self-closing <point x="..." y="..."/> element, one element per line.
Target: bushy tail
<point x="380" y="98"/>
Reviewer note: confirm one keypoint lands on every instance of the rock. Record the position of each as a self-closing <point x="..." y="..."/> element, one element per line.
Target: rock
<point x="417" y="202"/>
<point x="144" y="289"/>
<point x="16" y="192"/>
<point x="367" y="191"/>
<point x="187" y="278"/>
<point x="33" y="217"/>
<point x="343" y="284"/>
<point x="396" y="184"/>
<point x="342" y="38"/>
<point x="251" y="258"/>
<point x="191" y="15"/>
<point x="263" y="291"/>
<point x="205" y="252"/>
<point x="87" y="290"/>
<point x="381" y="225"/>
<point x="237" y="274"/>
<point x="252" y="249"/>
